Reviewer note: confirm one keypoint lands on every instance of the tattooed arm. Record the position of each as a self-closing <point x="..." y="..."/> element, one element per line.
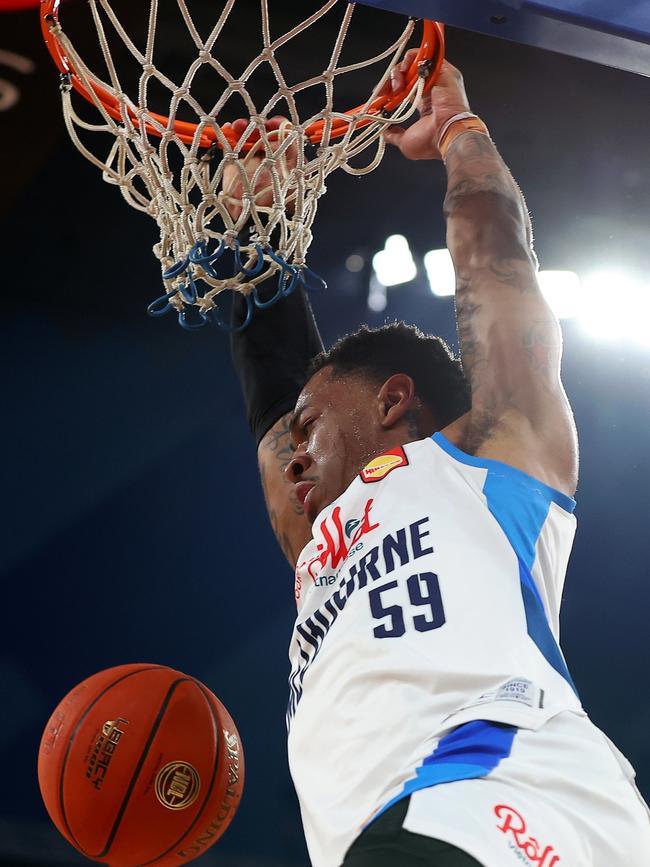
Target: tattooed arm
<point x="286" y="514"/>
<point x="510" y="340"/>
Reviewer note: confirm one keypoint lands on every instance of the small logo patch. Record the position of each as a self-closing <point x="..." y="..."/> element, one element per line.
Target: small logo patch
<point x="177" y="785"/>
<point x="380" y="467"/>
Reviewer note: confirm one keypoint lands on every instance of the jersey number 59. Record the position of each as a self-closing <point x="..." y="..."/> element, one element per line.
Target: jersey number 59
<point x="424" y="593"/>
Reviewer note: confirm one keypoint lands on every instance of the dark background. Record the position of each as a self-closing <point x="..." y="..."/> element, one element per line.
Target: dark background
<point x="133" y="524"/>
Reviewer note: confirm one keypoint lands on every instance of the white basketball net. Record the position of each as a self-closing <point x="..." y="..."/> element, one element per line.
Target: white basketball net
<point x="185" y="196"/>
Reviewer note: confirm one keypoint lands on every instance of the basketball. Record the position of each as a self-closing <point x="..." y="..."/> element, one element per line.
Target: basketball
<point x="141" y="764"/>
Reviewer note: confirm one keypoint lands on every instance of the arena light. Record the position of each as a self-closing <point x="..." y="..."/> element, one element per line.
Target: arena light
<point x="616" y="305"/>
<point x="355" y="263"/>
<point x="638" y="318"/>
<point x="562" y="290"/>
<point x="440" y="272"/>
<point x="394" y="264"/>
<point x="377" y="296"/>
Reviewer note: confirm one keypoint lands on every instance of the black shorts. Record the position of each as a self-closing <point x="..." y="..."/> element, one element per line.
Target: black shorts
<point x="385" y="843"/>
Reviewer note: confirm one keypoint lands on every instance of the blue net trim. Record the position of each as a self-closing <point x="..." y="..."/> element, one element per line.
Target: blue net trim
<point x="191" y="316"/>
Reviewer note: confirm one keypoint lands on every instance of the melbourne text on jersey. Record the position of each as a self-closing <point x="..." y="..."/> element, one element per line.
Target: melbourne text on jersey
<point x="395" y="549"/>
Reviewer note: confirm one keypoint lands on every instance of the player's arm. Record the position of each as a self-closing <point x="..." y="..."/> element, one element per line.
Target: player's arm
<point x="271" y="357"/>
<point x="510" y="340"/>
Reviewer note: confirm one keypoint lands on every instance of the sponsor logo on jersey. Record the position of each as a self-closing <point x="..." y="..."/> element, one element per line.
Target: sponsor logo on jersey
<point x="380" y="467"/>
<point x="335" y="543"/>
<point x="351" y="526"/>
<point x="526" y="847"/>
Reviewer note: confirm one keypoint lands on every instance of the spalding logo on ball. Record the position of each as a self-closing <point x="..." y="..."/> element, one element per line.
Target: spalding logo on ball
<point x="141" y="764"/>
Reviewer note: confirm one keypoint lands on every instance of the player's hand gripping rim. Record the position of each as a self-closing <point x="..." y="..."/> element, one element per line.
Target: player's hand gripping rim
<point x="446" y="99"/>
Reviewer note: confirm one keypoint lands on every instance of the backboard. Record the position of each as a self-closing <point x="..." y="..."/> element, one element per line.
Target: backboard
<point x="612" y="33"/>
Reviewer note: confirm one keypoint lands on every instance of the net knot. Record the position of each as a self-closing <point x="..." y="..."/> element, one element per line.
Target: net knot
<point x="53" y="24"/>
<point x="148" y="68"/>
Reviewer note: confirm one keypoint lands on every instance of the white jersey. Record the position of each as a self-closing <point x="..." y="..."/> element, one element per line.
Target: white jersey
<point x="428" y="597"/>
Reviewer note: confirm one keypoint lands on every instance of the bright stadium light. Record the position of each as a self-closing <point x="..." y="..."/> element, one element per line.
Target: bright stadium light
<point x="615" y="305"/>
<point x="638" y="326"/>
<point x="377" y="298"/>
<point x="440" y="272"/>
<point x="394" y="264"/>
<point x="562" y="292"/>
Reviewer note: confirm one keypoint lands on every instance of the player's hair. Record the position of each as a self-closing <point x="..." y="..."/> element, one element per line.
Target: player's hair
<point x="399" y="348"/>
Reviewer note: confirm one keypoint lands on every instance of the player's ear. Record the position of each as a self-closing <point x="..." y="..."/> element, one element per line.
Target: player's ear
<point x="396" y="398"/>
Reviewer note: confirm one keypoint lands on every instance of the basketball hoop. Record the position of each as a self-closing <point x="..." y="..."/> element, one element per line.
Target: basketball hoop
<point x="172" y="168"/>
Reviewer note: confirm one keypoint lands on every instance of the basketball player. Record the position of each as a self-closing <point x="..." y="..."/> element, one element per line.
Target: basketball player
<point x="427" y="509"/>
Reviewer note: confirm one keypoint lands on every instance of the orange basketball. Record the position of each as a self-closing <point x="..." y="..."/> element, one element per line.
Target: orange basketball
<point x="141" y="764"/>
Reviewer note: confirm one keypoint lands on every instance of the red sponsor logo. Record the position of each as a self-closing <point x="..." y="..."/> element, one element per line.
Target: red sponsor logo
<point x="381" y="466"/>
<point x="513" y="824"/>
<point x="334" y="547"/>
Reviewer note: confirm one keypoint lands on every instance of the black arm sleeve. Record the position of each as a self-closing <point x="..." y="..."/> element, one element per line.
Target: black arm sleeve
<point x="271" y="356"/>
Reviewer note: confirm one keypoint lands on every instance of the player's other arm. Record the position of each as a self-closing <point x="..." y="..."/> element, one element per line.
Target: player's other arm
<point x="510" y="340"/>
<point x="271" y="357"/>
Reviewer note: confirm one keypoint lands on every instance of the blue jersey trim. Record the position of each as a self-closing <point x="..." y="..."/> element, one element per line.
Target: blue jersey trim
<point x="563" y="500"/>
<point x="520" y="504"/>
<point x="468" y="752"/>
<point x="538" y="628"/>
<point x="521" y="514"/>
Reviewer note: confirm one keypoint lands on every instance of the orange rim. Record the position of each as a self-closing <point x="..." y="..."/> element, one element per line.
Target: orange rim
<point x="431" y="50"/>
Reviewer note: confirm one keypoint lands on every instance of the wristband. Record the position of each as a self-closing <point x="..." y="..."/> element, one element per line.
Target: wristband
<point x="456" y="126"/>
<point x="271" y="356"/>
